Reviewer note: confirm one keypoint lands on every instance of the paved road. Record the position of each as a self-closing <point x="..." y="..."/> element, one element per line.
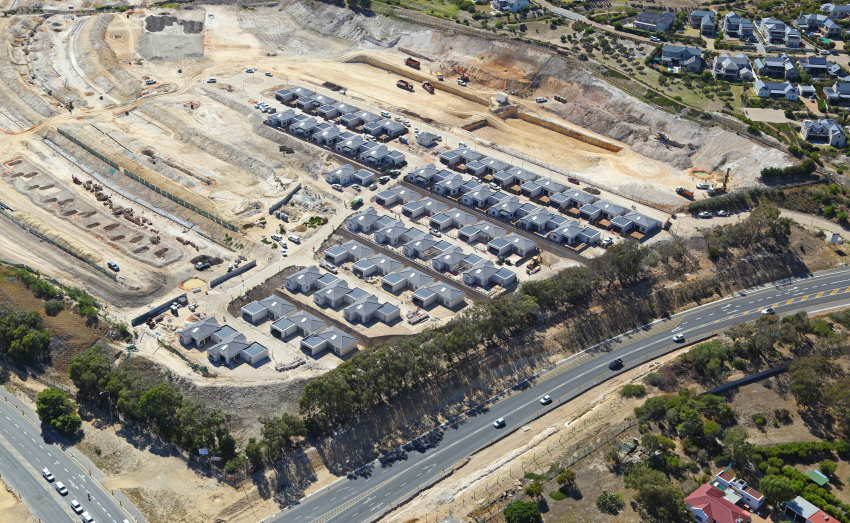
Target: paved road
<point x="25" y="450"/>
<point x="378" y="486"/>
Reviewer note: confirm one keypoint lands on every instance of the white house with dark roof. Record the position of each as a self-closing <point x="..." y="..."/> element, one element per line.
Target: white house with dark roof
<point x="635" y="221"/>
<point x="199" y="333"/>
<point x="254" y="312"/>
<point x="454" y="260"/>
<point x="420" y="247"/>
<point x="283" y="328"/>
<point x="775" y="90"/>
<point x="815" y="22"/>
<point x="332" y="295"/>
<point x="482" y="231"/>
<point x="461" y="155"/>
<point x="357" y="119"/>
<point x="506" y="208"/>
<point x="778" y="33"/>
<point x="815" y="66"/>
<point x="440" y="293"/>
<point x="484" y="273"/>
<point x="781" y="66"/>
<point x="609" y="210"/>
<point x="303" y="128"/>
<point x="426" y="139"/>
<point x="835" y="11"/>
<point x="313" y="102"/>
<point x="326" y="136"/>
<point x="579" y="198"/>
<point x="405" y="278"/>
<point x="281" y="119"/>
<point x="511" y="244"/>
<point x="303" y="280"/>
<point x="342" y="175"/>
<point x="380" y="265"/>
<point x="276" y="307"/>
<point x="229" y="351"/>
<point x="450" y="218"/>
<point x="424" y="207"/>
<point x="478" y="197"/>
<point x="838" y="94"/>
<point x="363" y="221"/>
<point x="824" y="131"/>
<point x="307" y="324"/>
<point x="396" y="195"/>
<point x="351" y="146"/>
<point x="514" y="175"/>
<point x="449" y="186"/>
<point x="654" y="22"/>
<point x="559" y="201"/>
<point x="350" y="250"/>
<point x="571" y="233"/>
<point x="331" y="111"/>
<point x="733" y="68"/>
<point x="291" y="94"/>
<point x="428" y="174"/>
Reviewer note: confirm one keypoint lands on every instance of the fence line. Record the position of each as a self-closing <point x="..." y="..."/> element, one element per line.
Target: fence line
<point x="155" y="188"/>
<point x="53" y="242"/>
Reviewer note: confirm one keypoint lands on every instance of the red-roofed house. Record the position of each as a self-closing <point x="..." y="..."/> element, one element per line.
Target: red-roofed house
<point x="708" y="505"/>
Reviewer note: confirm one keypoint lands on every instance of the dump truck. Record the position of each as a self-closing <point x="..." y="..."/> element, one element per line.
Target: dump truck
<point x="75" y="180"/>
<point x="404" y="84"/>
<point x="410" y="62"/>
<point x="428" y="87"/>
<point x="440" y="76"/>
<point x="687" y="193"/>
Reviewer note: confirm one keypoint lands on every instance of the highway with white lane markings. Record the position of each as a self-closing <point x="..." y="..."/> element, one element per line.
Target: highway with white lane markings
<point x="377" y="486"/>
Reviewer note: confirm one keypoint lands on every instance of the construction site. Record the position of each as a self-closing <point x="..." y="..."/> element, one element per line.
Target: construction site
<point x="137" y="163"/>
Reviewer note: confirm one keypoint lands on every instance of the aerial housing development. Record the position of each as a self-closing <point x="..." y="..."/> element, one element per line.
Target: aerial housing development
<point x="511" y="261"/>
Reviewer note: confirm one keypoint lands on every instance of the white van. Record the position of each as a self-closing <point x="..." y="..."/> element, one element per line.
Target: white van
<point x="294" y="239"/>
<point x="386" y="114"/>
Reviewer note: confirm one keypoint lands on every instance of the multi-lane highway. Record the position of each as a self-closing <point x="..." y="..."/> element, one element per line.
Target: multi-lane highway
<point x="25" y="451"/>
<point x="377" y="487"/>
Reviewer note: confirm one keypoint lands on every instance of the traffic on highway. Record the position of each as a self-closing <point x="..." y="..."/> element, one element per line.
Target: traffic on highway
<point x="378" y="486"/>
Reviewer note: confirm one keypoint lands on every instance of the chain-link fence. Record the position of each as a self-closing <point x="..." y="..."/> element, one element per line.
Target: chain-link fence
<point x="156" y="189"/>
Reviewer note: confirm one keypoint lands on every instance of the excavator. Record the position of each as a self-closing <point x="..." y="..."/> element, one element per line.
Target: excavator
<point x="714" y="191"/>
<point x="534" y="264"/>
<point x="462" y="72"/>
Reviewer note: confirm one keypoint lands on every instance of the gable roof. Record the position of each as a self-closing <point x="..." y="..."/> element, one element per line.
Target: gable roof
<point x="710" y="500"/>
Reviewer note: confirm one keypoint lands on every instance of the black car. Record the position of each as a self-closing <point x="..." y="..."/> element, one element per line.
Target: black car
<point x="616" y="364"/>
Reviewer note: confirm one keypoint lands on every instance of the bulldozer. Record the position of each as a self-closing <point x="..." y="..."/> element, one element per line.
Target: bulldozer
<point x="534" y="264"/>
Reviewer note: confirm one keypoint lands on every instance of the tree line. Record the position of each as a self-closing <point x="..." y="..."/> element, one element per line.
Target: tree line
<point x="23" y="337"/>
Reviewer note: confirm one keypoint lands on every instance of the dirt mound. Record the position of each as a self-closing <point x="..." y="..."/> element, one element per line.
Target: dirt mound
<point x="155" y="24"/>
<point x="212" y="260"/>
<point x="192" y="26"/>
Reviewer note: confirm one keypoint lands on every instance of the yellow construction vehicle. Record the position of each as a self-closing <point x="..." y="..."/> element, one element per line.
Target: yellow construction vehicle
<point x="440" y="76"/>
<point x="714" y="191"/>
<point x="534" y="264"/>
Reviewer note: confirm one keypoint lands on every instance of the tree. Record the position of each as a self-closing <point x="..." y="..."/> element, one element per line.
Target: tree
<point x="735" y="443"/>
<point x="56" y="409"/>
<point x="278" y="433"/>
<point x="159" y="405"/>
<point x="610" y="503"/>
<point x="827" y="467"/>
<point x="254" y="451"/>
<point x="567" y="477"/>
<point x="522" y="512"/>
<point x="776" y="489"/>
<point x="535" y="489"/>
<point x="711" y="429"/>
<point x="365" y="4"/>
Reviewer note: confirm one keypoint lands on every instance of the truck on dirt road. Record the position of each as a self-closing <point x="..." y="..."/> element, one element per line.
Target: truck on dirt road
<point x="687" y="193"/>
<point x="410" y="62"/>
<point x="428" y="87"/>
<point x="404" y="84"/>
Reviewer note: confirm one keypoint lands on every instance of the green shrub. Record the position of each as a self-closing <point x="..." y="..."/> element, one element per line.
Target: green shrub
<point x="53" y="307"/>
<point x="557" y="495"/>
<point x="633" y="391"/>
<point x="759" y="419"/>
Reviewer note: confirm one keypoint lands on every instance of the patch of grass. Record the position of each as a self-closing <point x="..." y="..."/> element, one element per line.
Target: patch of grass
<point x="557" y="495"/>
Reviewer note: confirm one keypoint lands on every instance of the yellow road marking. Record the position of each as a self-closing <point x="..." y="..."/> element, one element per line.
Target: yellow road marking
<point x="775" y="304"/>
<point x="847" y="289"/>
<point x="819" y="294"/>
<point x="745" y="312"/>
<point x="804" y="298"/>
<point x="789" y="301"/>
<point x="833" y="292"/>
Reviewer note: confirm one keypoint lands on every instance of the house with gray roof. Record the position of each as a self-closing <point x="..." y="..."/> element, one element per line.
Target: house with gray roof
<point x="199" y="333"/>
<point x="229" y="351"/>
<point x="686" y="57"/>
<point x="331" y="111"/>
<point x="704" y="21"/>
<point x="290" y="94"/>
<point x="380" y="265"/>
<point x="461" y="155"/>
<point x="506" y="208"/>
<point x="824" y="131"/>
<point x="363" y="221"/>
<point x="735" y="26"/>
<point x="306" y="323"/>
<point x="479" y="197"/>
<point x="333" y="339"/>
<point x="281" y="119"/>
<point x="420" y="247"/>
<point x="313" y="102"/>
<point x="440" y="293"/>
<point x="332" y="295"/>
<point x="635" y="221"/>
<point x="808" y="23"/>
<point x="277" y="307"/>
<point x="775" y="90"/>
<point x="571" y="233"/>
<point x="326" y="136"/>
<point x="835" y="12"/>
<point x="350" y="147"/>
<point x="283" y="328"/>
<point x="424" y="207"/>
<point x="454" y="260"/>
<point x="492" y="165"/>
<point x="450" y="186"/>
<point x="838" y="94"/>
<point x="559" y="201"/>
<point x="350" y="250"/>
<point x="577" y="198"/>
<point x="362" y="310"/>
<point x="512" y="176"/>
<point x="357" y="119"/>
<point x="303" y="128"/>
<point x="428" y="174"/>
<point x="609" y="210"/>
<point x="815" y="66"/>
<point x="781" y="66"/>
<point x="303" y="280"/>
<point x="395" y="234"/>
<point x="396" y="195"/>
<point x="733" y="68"/>
<point x="654" y="22"/>
<point x="776" y="32"/>
<point x="511" y="244"/>
<point x="405" y="278"/>
<point x="538" y="220"/>
<point x="426" y="139"/>
<point x="342" y="175"/>
<point x="482" y="231"/>
<point x="450" y="218"/>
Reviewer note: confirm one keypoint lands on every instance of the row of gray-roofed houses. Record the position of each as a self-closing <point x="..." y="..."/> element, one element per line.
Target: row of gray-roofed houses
<point x="224" y="343"/>
<point x="499" y="199"/>
<point x="341" y="127"/>
<point x="287" y="321"/>
<point x="419" y="245"/>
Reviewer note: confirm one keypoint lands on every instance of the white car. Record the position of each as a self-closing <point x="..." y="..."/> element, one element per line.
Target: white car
<point x="60" y="488"/>
<point x="406" y="123"/>
<point x="679" y="338"/>
<point x="398" y="118"/>
<point x="824" y="52"/>
<point x="461" y="83"/>
<point x="499" y="423"/>
<point x="385" y="114"/>
<point x="283" y="253"/>
<point x="415" y="129"/>
<point x="703" y="186"/>
<point x="769" y="310"/>
<point x="87" y="517"/>
<point x="545" y="400"/>
<point x="211" y="80"/>
<point x="336" y="186"/>
<point x="276" y="237"/>
<point x="269" y="74"/>
<point x="607" y="242"/>
<point x="47" y="475"/>
<point x="722" y="214"/>
<point x="76" y="507"/>
<point x="654" y="39"/>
